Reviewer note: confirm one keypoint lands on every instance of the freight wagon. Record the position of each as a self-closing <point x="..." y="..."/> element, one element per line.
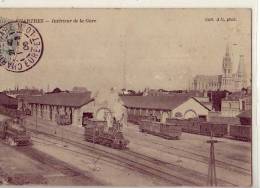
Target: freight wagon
<point x="165" y="130"/>
<point x="188" y="125"/>
<point x="98" y="132"/>
<point x="217" y="129"/>
<point x="241" y="132"/>
<point x="197" y="126"/>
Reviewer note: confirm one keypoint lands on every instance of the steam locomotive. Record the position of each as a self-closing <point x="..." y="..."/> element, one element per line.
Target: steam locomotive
<point x="98" y="132"/>
<point x="14" y="133"/>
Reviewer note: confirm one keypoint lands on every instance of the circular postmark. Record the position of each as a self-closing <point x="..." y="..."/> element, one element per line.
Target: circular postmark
<point x="21" y="46"/>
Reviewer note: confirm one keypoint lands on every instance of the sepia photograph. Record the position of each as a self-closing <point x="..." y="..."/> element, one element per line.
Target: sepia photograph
<point x="126" y="97"/>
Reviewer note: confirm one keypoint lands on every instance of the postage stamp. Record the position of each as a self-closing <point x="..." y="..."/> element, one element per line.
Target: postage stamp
<point x="21" y="46"/>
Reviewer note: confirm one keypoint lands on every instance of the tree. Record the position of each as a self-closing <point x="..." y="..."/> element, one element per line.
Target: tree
<point x="56" y="90"/>
<point x="217" y="97"/>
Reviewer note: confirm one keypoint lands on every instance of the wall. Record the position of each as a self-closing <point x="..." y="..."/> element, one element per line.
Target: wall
<point x="78" y="113"/>
<point x="191" y="106"/>
<point x="247" y="103"/>
<point x="230" y="108"/>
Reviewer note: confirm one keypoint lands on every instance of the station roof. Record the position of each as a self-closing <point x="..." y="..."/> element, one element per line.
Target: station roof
<point x="61" y="99"/>
<point x="157" y="102"/>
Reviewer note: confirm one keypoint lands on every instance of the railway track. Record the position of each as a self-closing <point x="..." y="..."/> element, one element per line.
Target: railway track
<point x="62" y="170"/>
<point x="182" y="175"/>
<point x="149" y="169"/>
<point x="88" y="153"/>
<point x="200" y="158"/>
<point x="189" y="173"/>
<point x="174" y="174"/>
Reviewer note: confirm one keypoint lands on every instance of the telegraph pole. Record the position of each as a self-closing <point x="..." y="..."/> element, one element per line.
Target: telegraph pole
<point x="36" y="117"/>
<point x="212" y="176"/>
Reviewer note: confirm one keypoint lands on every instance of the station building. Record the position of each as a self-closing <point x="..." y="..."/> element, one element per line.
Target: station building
<point x="48" y="106"/>
<point x="181" y="106"/>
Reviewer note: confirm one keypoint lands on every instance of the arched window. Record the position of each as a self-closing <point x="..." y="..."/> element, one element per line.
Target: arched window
<point x="190" y="114"/>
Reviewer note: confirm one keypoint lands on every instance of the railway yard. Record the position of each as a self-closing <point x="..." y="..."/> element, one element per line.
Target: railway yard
<point x="59" y="155"/>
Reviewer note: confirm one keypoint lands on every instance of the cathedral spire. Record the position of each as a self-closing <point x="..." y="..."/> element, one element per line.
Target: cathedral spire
<point x="227" y="64"/>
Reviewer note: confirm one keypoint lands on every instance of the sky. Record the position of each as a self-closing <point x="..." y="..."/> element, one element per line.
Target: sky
<point x="131" y="48"/>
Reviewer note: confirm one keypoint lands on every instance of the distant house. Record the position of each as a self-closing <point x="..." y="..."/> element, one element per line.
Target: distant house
<point x="180" y="106"/>
<point x="48" y="106"/>
<point x="235" y="103"/>
<point x="7" y="101"/>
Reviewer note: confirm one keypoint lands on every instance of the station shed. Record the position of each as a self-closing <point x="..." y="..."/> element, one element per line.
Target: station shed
<point x="181" y="106"/>
<point x="48" y="106"/>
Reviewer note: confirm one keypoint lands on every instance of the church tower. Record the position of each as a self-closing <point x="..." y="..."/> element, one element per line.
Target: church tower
<point x="240" y="80"/>
<point x="227" y="81"/>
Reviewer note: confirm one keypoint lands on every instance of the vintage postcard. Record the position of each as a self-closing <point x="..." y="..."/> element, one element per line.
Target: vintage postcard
<point x="126" y="97"/>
